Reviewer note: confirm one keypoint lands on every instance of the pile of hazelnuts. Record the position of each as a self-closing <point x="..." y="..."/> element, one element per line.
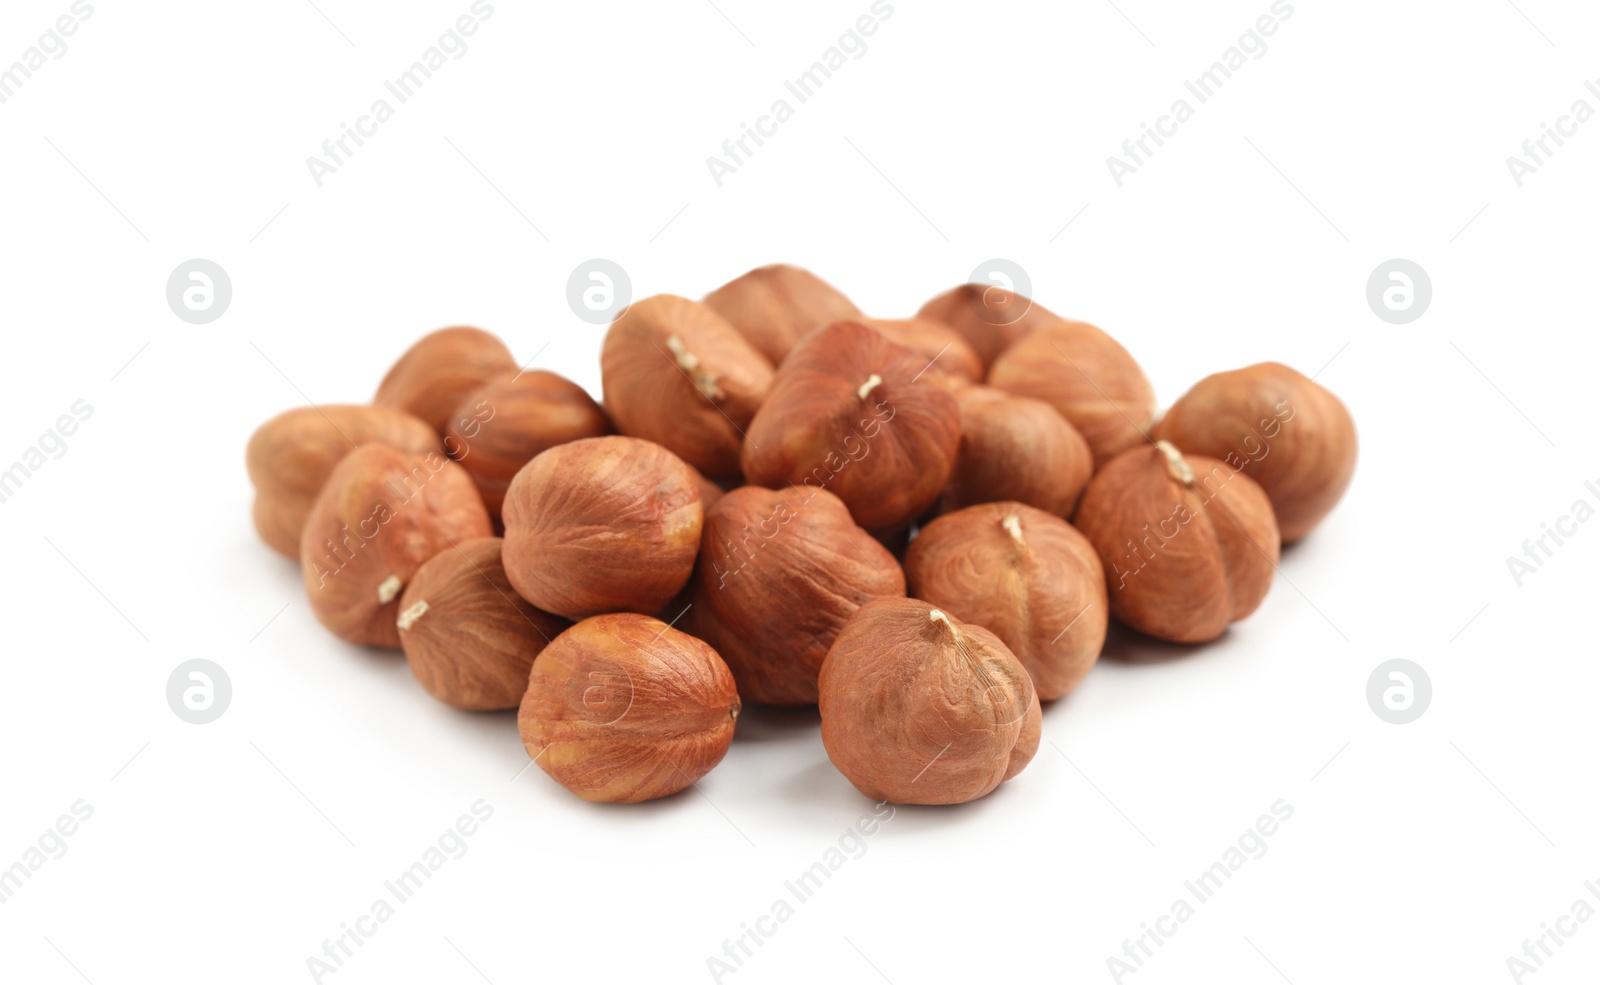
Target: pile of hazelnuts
<point x="922" y="526"/>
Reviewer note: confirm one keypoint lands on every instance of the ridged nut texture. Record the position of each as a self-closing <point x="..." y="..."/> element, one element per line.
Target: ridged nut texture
<point x="382" y="513"/>
<point x="674" y="372"/>
<point x="602" y="525"/>
<point x="1293" y="437"/>
<point x="848" y="414"/>
<point x="1016" y="448"/>
<point x="1025" y="575"/>
<point x="290" y="457"/>
<point x="990" y="318"/>
<point x="469" y="638"/>
<point x="433" y="376"/>
<point x="1189" y="544"/>
<point x="779" y="574"/>
<point x="503" y="425"/>
<point x="945" y="351"/>
<point x="623" y="708"/>
<point x="1088" y="377"/>
<point x="921" y="708"/>
<point x="774" y="307"/>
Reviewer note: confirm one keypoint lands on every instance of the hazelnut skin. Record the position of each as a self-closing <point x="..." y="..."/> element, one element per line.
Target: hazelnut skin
<point x="1294" y="438"/>
<point x="848" y="414"/>
<point x="382" y="513"/>
<point x="780" y="572"/>
<point x="1088" y="377"/>
<point x="501" y="426"/>
<point x="602" y="525"/>
<point x="991" y="319"/>
<point x="291" y="456"/>
<point x="946" y="351"/>
<point x="1189" y="543"/>
<point x="433" y="376"/>
<point x="775" y="307"/>
<point x="469" y="638"/>
<point x="1016" y="448"/>
<point x="1026" y="576"/>
<point x="921" y="708"/>
<point x="674" y="372"/>
<point x="623" y="708"/>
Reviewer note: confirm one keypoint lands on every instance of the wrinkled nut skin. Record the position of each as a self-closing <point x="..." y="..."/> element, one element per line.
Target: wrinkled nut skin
<point x="291" y="456"/>
<point x="674" y="372"/>
<point x="1088" y="377"/>
<point x="847" y="414"/>
<point x="433" y="376"/>
<point x="921" y="708"/>
<point x="942" y="346"/>
<point x="500" y="427"/>
<point x="602" y="525"/>
<point x="1016" y="448"/>
<point x="1026" y="576"/>
<point x="1295" y="438"/>
<point x="622" y="708"/>
<point x="990" y="318"/>
<point x="780" y="572"/>
<point x="775" y="307"/>
<point x="1183" y="559"/>
<point x="469" y="638"/>
<point x="382" y="513"/>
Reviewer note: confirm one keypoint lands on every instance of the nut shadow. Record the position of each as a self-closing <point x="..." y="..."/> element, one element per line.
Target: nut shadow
<point x="771" y="723"/>
<point x="1133" y="648"/>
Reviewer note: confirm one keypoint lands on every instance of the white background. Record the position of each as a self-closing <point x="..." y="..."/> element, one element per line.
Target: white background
<point x="1368" y="130"/>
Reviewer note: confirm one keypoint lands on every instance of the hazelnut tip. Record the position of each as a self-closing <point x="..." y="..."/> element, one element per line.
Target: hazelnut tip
<point x="389" y="589"/>
<point x="869" y="386"/>
<point x="409" y="617"/>
<point x="1176" y="466"/>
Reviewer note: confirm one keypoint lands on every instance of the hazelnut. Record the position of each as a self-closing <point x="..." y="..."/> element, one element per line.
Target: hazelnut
<point x="780" y="571"/>
<point x="848" y="413"/>
<point x="433" y="376"/>
<point x="1016" y="448"/>
<point x="775" y="307"/>
<point x="290" y="457"/>
<point x="1086" y="376"/>
<point x="1293" y="437"/>
<point x="1189" y="543"/>
<point x="946" y="351"/>
<point x="1026" y="576"/>
<point x="382" y="513"/>
<point x="676" y="373"/>
<point x="921" y="708"/>
<point x="602" y="525"/>
<point x="623" y="708"/>
<point x="501" y="426"/>
<point x="991" y="319"/>
<point x="469" y="638"/>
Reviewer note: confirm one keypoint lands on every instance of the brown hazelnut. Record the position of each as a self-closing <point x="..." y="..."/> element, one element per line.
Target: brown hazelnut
<point x="469" y="638"/>
<point x="847" y="413"/>
<point x="676" y="373"/>
<point x="623" y="708"/>
<point x="291" y="456"/>
<point x="602" y="525"/>
<point x="991" y="319"/>
<point x="1292" y="436"/>
<point x="1016" y="448"/>
<point x="1189" y="543"/>
<point x="1026" y="576"/>
<point x="433" y="376"/>
<point x="921" y="708"/>
<point x="501" y="426"/>
<point x="777" y="306"/>
<point x="1088" y="377"/>
<point x="780" y="571"/>
<point x="946" y="351"/>
<point x="382" y="513"/>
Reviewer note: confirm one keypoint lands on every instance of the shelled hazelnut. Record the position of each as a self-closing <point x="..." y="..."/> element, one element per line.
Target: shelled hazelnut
<point x="382" y="513"/>
<point x="433" y="376"/>
<point x="774" y="307"/>
<point x="469" y="638"/>
<point x="1189" y="544"/>
<point x="945" y="350"/>
<point x="1016" y="448"/>
<point x="622" y="708"/>
<point x="990" y="318"/>
<point x="1025" y="575"/>
<point x="1292" y="436"/>
<point x="291" y="456"/>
